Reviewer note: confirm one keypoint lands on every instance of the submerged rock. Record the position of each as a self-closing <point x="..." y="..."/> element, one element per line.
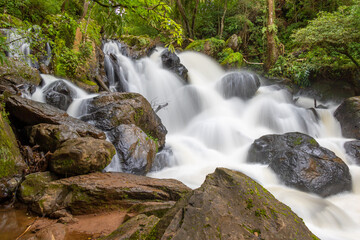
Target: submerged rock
<point x="111" y="110"/>
<point x="300" y="162"/>
<point x="81" y="156"/>
<point x="239" y="84"/>
<point x="29" y="113"/>
<point x="172" y="62"/>
<point x="135" y="149"/>
<point x="103" y="191"/>
<point x="348" y="114"/>
<point x="230" y="205"/>
<point x="59" y="94"/>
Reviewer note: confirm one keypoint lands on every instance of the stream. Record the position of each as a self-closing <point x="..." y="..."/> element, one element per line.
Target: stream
<point x="207" y="130"/>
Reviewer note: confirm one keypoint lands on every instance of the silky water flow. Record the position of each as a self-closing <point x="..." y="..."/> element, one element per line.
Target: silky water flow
<point x="207" y="130"/>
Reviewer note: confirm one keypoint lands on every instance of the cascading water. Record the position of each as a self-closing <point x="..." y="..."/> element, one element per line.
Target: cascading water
<point x="19" y="47"/>
<point x="209" y="129"/>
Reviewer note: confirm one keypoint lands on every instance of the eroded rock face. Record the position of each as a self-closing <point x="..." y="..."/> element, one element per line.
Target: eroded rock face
<point x="98" y="191"/>
<point x="12" y="164"/>
<point x="348" y="114"/>
<point x="111" y="110"/>
<point x="135" y="149"/>
<point x="353" y="149"/>
<point x="59" y="94"/>
<point x="239" y="84"/>
<point x="29" y="113"/>
<point x="230" y="205"/>
<point x="50" y="136"/>
<point x="172" y="62"/>
<point x="81" y="156"/>
<point x="300" y="162"/>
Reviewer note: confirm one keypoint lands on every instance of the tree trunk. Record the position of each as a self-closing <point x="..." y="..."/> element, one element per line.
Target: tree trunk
<point x="222" y="21"/>
<point x="271" y="51"/>
<point x="183" y="15"/>
<point x="193" y="18"/>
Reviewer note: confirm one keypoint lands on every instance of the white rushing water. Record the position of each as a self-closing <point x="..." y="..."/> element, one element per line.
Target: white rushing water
<point x="208" y="131"/>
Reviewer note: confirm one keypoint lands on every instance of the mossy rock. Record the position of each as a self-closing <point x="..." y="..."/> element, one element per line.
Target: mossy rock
<point x="220" y="208"/>
<point x="17" y="72"/>
<point x="34" y="185"/>
<point x="11" y="162"/>
<point x="211" y="47"/>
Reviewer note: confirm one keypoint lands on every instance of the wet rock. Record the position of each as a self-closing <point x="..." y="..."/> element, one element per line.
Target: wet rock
<point x="59" y="94"/>
<point x="12" y="164"/>
<point x="230" y="205"/>
<point x="17" y="72"/>
<point x="172" y="62"/>
<point x="136" y="228"/>
<point x="28" y="112"/>
<point x="99" y="191"/>
<point x="348" y="114"/>
<point x="300" y="162"/>
<point x="81" y="156"/>
<point x="233" y="42"/>
<point x="135" y="149"/>
<point x="50" y="136"/>
<point x="111" y="110"/>
<point x="352" y="148"/>
<point x="239" y="84"/>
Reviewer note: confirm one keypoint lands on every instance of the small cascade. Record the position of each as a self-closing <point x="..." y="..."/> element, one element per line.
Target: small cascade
<point x="212" y="122"/>
<point x="19" y="47"/>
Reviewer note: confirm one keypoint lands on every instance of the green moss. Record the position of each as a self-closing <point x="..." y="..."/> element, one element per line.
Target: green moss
<point x="261" y="213"/>
<point x="215" y="46"/>
<point x="313" y="142"/>
<point x="9" y="151"/>
<point x="314" y="237"/>
<point x="249" y="204"/>
<point x="233" y="60"/>
<point x="298" y="141"/>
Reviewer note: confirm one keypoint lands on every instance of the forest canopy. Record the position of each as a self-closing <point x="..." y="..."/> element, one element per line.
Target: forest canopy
<point x="285" y="38"/>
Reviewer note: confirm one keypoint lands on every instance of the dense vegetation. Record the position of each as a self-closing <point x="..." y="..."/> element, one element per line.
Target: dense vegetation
<point x="284" y="38"/>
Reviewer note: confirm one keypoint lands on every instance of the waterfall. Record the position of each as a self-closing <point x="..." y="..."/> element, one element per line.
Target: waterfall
<point x="19" y="47"/>
<point x="209" y="129"/>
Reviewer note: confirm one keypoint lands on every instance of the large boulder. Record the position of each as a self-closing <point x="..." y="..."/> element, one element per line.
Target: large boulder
<point x="230" y="205"/>
<point x="17" y="75"/>
<point x="111" y="110"/>
<point x="103" y="191"/>
<point x="137" y="227"/>
<point x="239" y="84"/>
<point x="12" y="164"/>
<point x="81" y="156"/>
<point x="59" y="94"/>
<point x="28" y="112"/>
<point x="352" y="148"/>
<point x="348" y="114"/>
<point x="34" y="185"/>
<point x="50" y="136"/>
<point x="233" y="42"/>
<point x="300" y="162"/>
<point x="135" y="149"/>
<point x="172" y="62"/>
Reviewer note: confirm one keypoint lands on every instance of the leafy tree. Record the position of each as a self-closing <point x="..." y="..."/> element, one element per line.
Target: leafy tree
<point x="338" y="31"/>
<point x="156" y="13"/>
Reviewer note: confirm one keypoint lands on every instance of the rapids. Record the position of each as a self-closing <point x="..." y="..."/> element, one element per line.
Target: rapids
<point x="206" y="130"/>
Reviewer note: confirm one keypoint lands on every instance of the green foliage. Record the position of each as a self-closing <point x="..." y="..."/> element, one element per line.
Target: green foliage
<point x="34" y="11"/>
<point x="336" y="32"/>
<point x="230" y="58"/>
<point x="3" y="47"/>
<point x="211" y="46"/>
